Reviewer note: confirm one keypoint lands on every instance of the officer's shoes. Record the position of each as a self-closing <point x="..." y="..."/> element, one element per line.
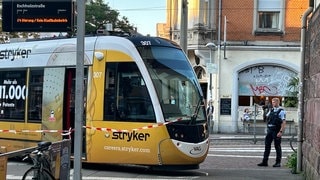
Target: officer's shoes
<point x="277" y="165"/>
<point x="263" y="164"/>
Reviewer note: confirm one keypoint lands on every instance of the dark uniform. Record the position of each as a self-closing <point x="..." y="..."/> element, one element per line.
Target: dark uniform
<point x="266" y="108"/>
<point x="275" y="120"/>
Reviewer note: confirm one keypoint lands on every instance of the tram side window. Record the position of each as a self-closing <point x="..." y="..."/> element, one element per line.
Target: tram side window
<point x="126" y="95"/>
<point x="12" y="94"/>
<point x="35" y="95"/>
<point x="110" y="93"/>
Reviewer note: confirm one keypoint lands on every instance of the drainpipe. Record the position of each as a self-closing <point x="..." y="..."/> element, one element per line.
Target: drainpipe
<point x="301" y="95"/>
<point x="217" y="90"/>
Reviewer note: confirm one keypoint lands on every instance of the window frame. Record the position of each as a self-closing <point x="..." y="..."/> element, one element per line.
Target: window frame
<point x="263" y="6"/>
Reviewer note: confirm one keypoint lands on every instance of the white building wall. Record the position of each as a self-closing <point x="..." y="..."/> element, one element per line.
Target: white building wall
<point x="227" y="78"/>
<point x="225" y="81"/>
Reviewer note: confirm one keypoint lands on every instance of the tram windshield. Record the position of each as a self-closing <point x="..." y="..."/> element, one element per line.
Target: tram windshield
<point x="175" y="83"/>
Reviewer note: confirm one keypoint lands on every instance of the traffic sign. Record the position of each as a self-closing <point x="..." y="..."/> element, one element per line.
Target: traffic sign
<point x="212" y="68"/>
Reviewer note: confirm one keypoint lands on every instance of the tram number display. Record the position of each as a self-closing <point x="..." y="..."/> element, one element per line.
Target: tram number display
<point x="16" y="92"/>
<point x="37" y="15"/>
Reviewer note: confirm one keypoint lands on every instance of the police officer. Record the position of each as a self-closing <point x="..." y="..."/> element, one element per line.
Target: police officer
<point x="276" y="126"/>
<point x="210" y="110"/>
<point x="266" y="108"/>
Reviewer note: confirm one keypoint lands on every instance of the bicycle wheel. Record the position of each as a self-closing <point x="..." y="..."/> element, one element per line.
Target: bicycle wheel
<point x="35" y="174"/>
<point x="293" y="144"/>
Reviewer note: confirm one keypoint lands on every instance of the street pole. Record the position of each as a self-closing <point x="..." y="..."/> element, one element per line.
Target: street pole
<point x="184" y="26"/>
<point x="211" y="46"/>
<point x="210" y="78"/>
<point x="210" y="99"/>
<point x="255" y="124"/>
<point x="78" y="121"/>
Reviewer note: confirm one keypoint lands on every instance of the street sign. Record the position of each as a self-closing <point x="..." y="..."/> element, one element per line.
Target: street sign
<point x="212" y="68"/>
<point x="37" y="15"/>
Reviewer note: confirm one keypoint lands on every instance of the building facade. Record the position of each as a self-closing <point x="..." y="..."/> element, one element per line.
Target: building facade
<point x="311" y="95"/>
<point x="243" y="52"/>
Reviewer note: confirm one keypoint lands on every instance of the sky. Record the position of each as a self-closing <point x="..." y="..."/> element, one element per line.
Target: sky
<point x="143" y="14"/>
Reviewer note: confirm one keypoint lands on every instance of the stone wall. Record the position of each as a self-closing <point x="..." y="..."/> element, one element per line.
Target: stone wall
<point x="311" y="121"/>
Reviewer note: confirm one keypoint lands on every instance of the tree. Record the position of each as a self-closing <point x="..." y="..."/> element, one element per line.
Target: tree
<point x="98" y="14"/>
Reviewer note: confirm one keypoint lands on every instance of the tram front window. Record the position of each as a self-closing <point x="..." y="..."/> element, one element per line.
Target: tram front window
<point x="175" y="83"/>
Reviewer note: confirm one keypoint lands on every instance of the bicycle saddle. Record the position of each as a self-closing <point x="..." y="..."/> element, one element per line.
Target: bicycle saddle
<point x="44" y="145"/>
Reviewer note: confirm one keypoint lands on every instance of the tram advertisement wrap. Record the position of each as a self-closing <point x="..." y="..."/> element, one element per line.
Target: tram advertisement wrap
<point x="13" y="93"/>
<point x="131" y="146"/>
<point x="10" y="90"/>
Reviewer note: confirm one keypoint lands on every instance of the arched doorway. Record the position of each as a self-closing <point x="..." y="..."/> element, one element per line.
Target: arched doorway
<point x="263" y="82"/>
<point x="256" y="81"/>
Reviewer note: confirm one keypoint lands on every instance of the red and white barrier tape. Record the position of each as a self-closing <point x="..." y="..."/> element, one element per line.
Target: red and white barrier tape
<point x="63" y="132"/>
<point x="68" y="132"/>
<point x="134" y="129"/>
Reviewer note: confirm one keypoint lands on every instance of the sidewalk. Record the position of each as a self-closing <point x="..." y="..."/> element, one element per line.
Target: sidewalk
<point x="255" y="174"/>
<point x="244" y="168"/>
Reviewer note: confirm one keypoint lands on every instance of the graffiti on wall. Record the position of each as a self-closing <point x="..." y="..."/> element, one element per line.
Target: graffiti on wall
<point x="265" y="80"/>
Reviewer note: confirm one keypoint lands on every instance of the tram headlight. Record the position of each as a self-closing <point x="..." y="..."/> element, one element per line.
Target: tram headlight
<point x="99" y="55"/>
<point x="181" y="136"/>
<point x="176" y="135"/>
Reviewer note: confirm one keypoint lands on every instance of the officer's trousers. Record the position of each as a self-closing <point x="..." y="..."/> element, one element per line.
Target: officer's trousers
<point x="272" y="136"/>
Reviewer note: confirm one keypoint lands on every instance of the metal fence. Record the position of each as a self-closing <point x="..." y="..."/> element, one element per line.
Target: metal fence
<point x="60" y="154"/>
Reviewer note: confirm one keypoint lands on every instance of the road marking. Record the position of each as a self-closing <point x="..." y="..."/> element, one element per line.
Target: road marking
<point x="214" y="150"/>
<point x="284" y="149"/>
<point x="116" y="178"/>
<point x="12" y="177"/>
<point x="239" y="156"/>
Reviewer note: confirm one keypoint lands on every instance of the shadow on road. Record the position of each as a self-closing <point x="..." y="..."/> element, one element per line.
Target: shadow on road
<point x="143" y="170"/>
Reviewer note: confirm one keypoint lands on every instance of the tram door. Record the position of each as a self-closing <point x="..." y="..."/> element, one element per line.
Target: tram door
<point x="53" y="100"/>
<point x="69" y="105"/>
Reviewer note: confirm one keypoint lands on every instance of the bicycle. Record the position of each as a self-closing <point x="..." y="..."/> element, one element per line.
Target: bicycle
<point x="41" y="163"/>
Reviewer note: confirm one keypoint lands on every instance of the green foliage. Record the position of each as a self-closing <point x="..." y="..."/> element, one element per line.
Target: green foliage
<point x="291" y="102"/>
<point x="292" y="162"/>
<point x="293" y="86"/>
<point x="98" y="14"/>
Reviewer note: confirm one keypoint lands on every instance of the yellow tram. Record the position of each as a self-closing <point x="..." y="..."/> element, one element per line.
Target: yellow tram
<point x="143" y="104"/>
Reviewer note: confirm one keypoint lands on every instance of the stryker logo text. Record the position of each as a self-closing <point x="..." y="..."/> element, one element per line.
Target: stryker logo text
<point x="130" y="136"/>
<point x="13" y="54"/>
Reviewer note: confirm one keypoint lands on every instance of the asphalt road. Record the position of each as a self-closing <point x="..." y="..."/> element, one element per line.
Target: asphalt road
<point x="237" y="158"/>
<point x="232" y="159"/>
